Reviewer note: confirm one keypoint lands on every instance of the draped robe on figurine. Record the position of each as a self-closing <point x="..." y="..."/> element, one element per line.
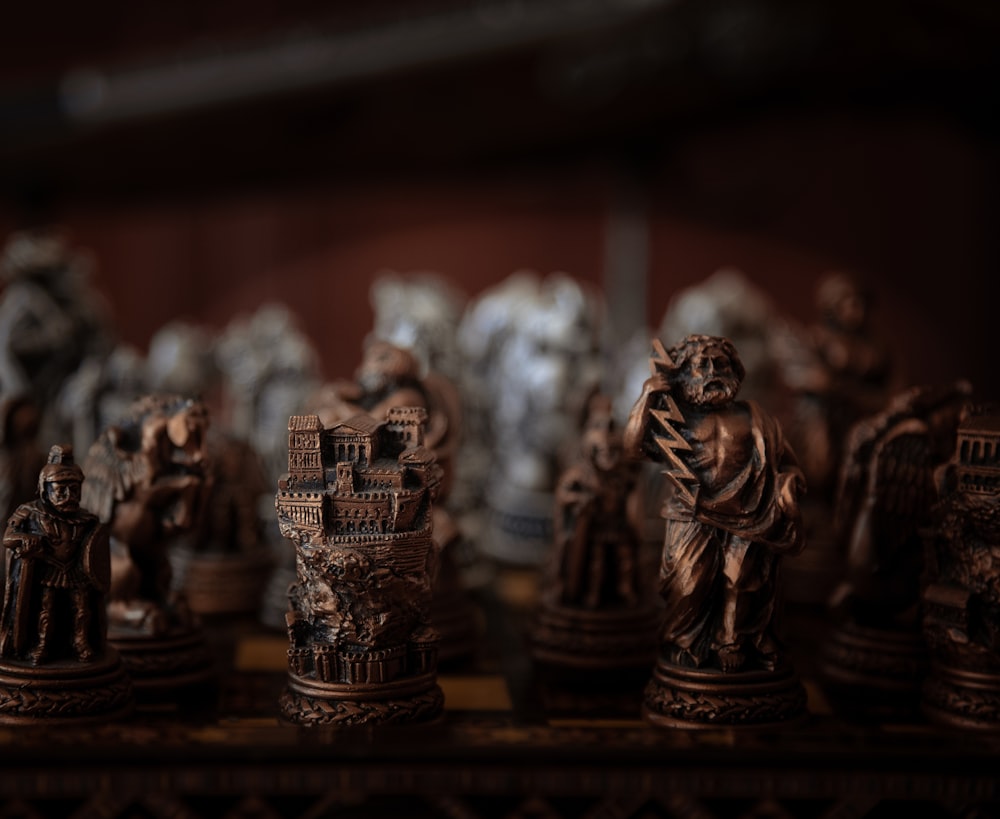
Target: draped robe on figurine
<point x="718" y="576"/>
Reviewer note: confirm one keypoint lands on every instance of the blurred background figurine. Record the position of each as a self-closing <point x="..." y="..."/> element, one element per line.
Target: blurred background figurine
<point x="58" y="574"/>
<point x="730" y="518"/>
<point x="961" y="594"/>
<point x="838" y="371"/>
<point x="269" y="370"/>
<point x="537" y="346"/>
<point x="51" y="320"/>
<point x="596" y="611"/>
<point x="874" y="657"/>
<point x="146" y="481"/>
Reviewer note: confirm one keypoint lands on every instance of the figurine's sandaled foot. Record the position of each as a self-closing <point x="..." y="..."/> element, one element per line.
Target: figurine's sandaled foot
<point x="730" y="658"/>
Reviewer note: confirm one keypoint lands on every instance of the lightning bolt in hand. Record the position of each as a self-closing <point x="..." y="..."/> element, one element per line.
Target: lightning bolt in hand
<point x="670" y="418"/>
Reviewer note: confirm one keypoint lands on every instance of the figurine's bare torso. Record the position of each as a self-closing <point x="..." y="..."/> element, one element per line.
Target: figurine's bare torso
<point x="721" y="444"/>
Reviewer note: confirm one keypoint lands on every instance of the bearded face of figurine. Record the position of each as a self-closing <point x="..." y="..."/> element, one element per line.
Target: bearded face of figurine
<point x="709" y="377"/>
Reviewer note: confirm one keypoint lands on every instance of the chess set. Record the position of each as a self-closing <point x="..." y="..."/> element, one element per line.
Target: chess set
<point x="599" y="614"/>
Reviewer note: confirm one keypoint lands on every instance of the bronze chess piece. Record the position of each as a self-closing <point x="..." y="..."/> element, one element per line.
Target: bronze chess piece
<point x="961" y="594"/>
<point x="595" y="612"/>
<point x="874" y="657"/>
<point x="55" y="663"/>
<point x="731" y="516"/>
<point x="146" y="482"/>
<point x="357" y="501"/>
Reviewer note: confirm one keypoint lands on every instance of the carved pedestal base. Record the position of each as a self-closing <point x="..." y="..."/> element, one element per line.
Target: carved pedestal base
<point x="221" y="584"/>
<point x="690" y="698"/>
<point x="519" y="527"/>
<point x="165" y="666"/>
<point x="965" y="699"/>
<point x="66" y="692"/>
<point x="308" y="701"/>
<point x="584" y="639"/>
<point x="874" y="671"/>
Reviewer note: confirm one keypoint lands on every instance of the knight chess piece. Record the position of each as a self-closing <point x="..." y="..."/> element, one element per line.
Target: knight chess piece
<point x="146" y="482"/>
<point x="731" y="516"/>
<point x="961" y="594"/>
<point x="874" y="657"/>
<point x="595" y="611"/>
<point x="358" y="503"/>
<point x="55" y="664"/>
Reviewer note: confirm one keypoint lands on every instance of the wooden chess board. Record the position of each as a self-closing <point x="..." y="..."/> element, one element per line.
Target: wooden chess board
<point x="511" y="743"/>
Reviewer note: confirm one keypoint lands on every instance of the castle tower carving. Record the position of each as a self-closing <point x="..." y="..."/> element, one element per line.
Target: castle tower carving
<point x="357" y="501"/>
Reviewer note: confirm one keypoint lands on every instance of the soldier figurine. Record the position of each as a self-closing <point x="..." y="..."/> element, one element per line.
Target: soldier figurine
<point x="595" y="611"/>
<point x="53" y="631"/>
<point x="732" y="514"/>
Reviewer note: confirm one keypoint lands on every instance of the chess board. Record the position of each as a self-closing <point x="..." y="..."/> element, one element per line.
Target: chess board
<point x="513" y="742"/>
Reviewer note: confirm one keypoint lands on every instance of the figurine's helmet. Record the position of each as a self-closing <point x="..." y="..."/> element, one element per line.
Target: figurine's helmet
<point x="60" y="466"/>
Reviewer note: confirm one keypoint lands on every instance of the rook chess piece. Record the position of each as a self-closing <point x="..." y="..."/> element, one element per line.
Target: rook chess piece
<point x="961" y="595"/>
<point x="357" y="501"/>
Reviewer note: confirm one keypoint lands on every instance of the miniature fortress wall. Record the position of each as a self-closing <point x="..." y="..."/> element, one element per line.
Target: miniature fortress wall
<point x="361" y="480"/>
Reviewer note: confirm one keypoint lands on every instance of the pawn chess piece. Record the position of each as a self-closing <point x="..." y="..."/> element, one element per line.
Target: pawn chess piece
<point x="146" y="482"/>
<point x="595" y="611"/>
<point x="357" y="501"/>
<point x="961" y="594"/>
<point x="874" y="657"/>
<point x="55" y="664"/>
<point x="731" y="516"/>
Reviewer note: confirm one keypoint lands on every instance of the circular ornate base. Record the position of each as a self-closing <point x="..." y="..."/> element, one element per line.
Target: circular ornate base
<point x="875" y="670"/>
<point x="964" y="699"/>
<point x="584" y="639"/>
<point x="66" y="692"/>
<point x="162" y="667"/>
<point x="690" y="698"/>
<point x="411" y="699"/>
<point x="221" y="584"/>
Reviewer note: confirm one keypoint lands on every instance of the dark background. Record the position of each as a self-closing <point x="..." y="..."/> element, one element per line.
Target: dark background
<point x="213" y="156"/>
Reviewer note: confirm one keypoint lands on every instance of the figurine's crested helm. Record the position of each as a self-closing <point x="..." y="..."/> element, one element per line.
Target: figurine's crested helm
<point x="59" y="467"/>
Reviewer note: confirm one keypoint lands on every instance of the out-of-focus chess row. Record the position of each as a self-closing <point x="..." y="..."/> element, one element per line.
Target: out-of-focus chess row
<point x="665" y="518"/>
